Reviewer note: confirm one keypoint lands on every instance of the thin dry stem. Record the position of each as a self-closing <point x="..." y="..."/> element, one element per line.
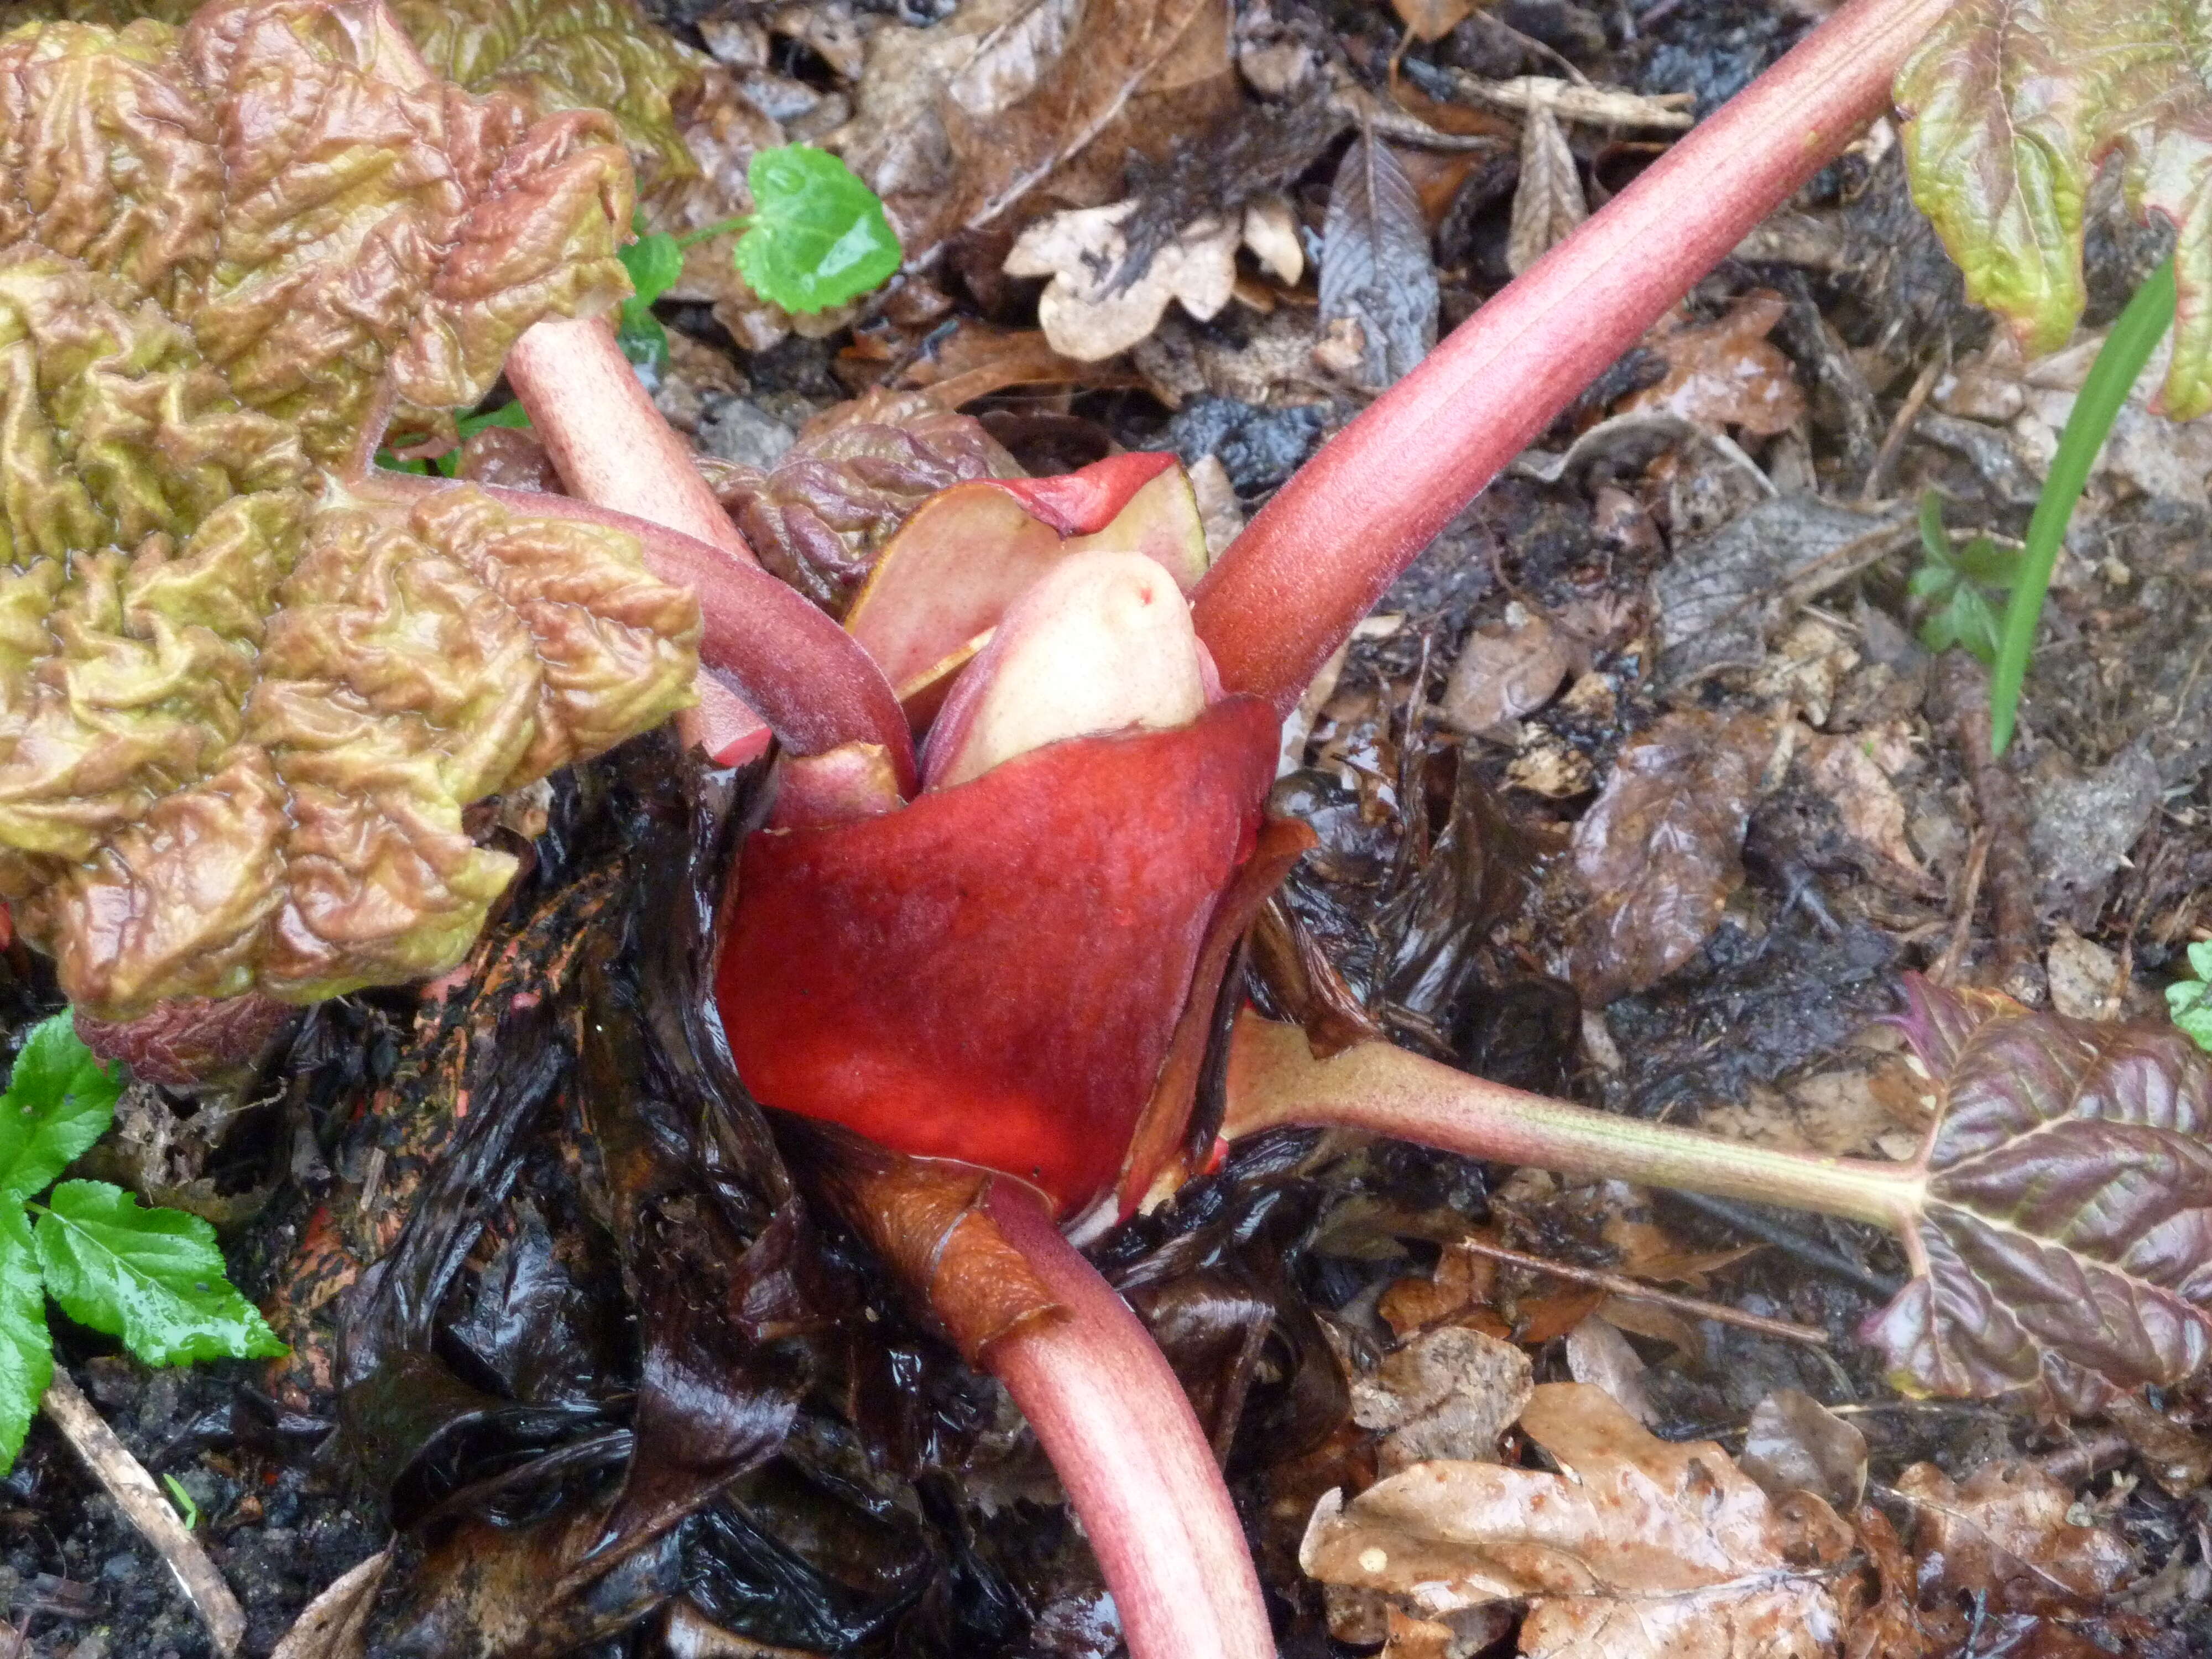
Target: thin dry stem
<point x="143" y="1505"/>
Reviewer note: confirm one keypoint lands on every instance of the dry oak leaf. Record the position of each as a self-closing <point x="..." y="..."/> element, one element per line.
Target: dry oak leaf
<point x="2005" y="1536"/>
<point x="241" y="708"/>
<point x="1087" y="312"/>
<point x="1640" y="1549"/>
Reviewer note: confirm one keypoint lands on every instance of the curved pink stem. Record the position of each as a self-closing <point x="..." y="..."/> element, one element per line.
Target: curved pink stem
<point x="1322" y="552"/>
<point x="811" y="679"/>
<point x="611" y="447"/>
<point x="1136" y="1465"/>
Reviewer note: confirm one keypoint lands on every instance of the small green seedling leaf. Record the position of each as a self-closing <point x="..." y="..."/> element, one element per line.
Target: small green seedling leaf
<point x="154" y="1278"/>
<point x="818" y="235"/>
<point x="1951" y="580"/>
<point x="27" y="1349"/>
<point x="653" y="261"/>
<point x="60" y="1099"/>
<point x="2190" y="1000"/>
<point x="183" y="1499"/>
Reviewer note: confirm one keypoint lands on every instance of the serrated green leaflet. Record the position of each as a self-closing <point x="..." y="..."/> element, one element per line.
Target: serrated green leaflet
<point x="819" y="236"/>
<point x="2190" y="1000"/>
<point x="26" y="1353"/>
<point x="59" y="1101"/>
<point x="154" y="1278"/>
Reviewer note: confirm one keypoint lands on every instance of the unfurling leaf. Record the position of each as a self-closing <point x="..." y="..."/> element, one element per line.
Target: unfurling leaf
<point x="2013" y="109"/>
<point x="154" y="1278"/>
<point x="27" y="1349"/>
<point x="822" y="514"/>
<point x="819" y="236"/>
<point x="60" y="1099"/>
<point x="2066" y="1223"/>
<point x="241" y="708"/>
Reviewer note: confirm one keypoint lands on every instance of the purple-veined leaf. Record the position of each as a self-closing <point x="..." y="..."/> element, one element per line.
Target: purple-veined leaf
<point x="2065" y="1230"/>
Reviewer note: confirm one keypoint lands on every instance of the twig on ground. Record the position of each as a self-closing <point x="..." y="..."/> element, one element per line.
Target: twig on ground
<point x="1747" y="1220"/>
<point x="1945" y="969"/>
<point x="124" y="1480"/>
<point x="1635" y="1291"/>
<point x="331" y="1625"/>
<point x="1962" y="693"/>
<point x="1908" y="412"/>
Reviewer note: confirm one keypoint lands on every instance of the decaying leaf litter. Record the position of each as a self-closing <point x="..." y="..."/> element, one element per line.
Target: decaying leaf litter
<point x="1638" y="787"/>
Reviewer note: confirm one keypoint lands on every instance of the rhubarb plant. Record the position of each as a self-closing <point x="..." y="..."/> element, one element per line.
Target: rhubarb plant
<point x="245" y="699"/>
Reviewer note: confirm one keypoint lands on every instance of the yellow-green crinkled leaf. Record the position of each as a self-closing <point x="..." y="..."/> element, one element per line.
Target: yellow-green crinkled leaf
<point x="241" y="710"/>
<point x="2014" y="106"/>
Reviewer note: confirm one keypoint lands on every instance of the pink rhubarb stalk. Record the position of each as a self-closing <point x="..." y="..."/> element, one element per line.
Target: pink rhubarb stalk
<point x="1273" y="1079"/>
<point x="611" y="448"/>
<point x="1118" y="1430"/>
<point x="1322" y="552"/>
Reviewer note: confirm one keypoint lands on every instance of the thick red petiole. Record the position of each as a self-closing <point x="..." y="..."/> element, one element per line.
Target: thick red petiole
<point x="1322" y="552"/>
<point x="612" y="449"/>
<point x="1138" y="1470"/>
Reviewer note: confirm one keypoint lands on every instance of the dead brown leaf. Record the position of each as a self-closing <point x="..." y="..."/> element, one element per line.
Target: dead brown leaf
<point x="1641" y="1549"/>
<point x="1430" y="20"/>
<point x="958" y="122"/>
<point x="2008" y="1537"/>
<point x="1548" y="202"/>
<point x="1449" y="1393"/>
<point x="1378" y="284"/>
<point x="1797" y="1444"/>
<point x="1506" y="672"/>
<point x="1845" y="770"/>
<point x="1088" y="313"/>
<point x="1598" y="1354"/>
<point x="1659" y="851"/>
<point x="1725" y="374"/>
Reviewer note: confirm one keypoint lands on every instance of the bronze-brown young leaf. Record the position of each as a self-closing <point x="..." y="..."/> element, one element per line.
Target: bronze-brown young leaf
<point x="2064" y="1235"/>
<point x="2014" y="106"/>
<point x="240" y="709"/>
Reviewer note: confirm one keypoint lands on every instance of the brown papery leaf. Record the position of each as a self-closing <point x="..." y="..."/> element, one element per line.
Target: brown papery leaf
<point x="1088" y="312"/>
<point x="1549" y="202"/>
<point x="956" y="123"/>
<point x="1641" y="1549"/>
<point x="1725" y="374"/>
<point x="1376" y="271"/>
<point x="1659" y="851"/>
<point x="2005" y="1538"/>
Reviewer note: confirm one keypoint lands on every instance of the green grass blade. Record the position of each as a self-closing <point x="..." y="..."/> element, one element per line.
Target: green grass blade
<point x="2126" y="349"/>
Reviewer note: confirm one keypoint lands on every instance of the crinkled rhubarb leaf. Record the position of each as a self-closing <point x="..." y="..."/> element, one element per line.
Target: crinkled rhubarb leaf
<point x="565" y="55"/>
<point x="240" y="710"/>
<point x="552" y="54"/>
<point x="2016" y="105"/>
<point x="2067" y="1222"/>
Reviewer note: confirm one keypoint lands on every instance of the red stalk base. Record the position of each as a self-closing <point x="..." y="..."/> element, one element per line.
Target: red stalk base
<point x="1138" y="1470"/>
<point x="612" y="449"/>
